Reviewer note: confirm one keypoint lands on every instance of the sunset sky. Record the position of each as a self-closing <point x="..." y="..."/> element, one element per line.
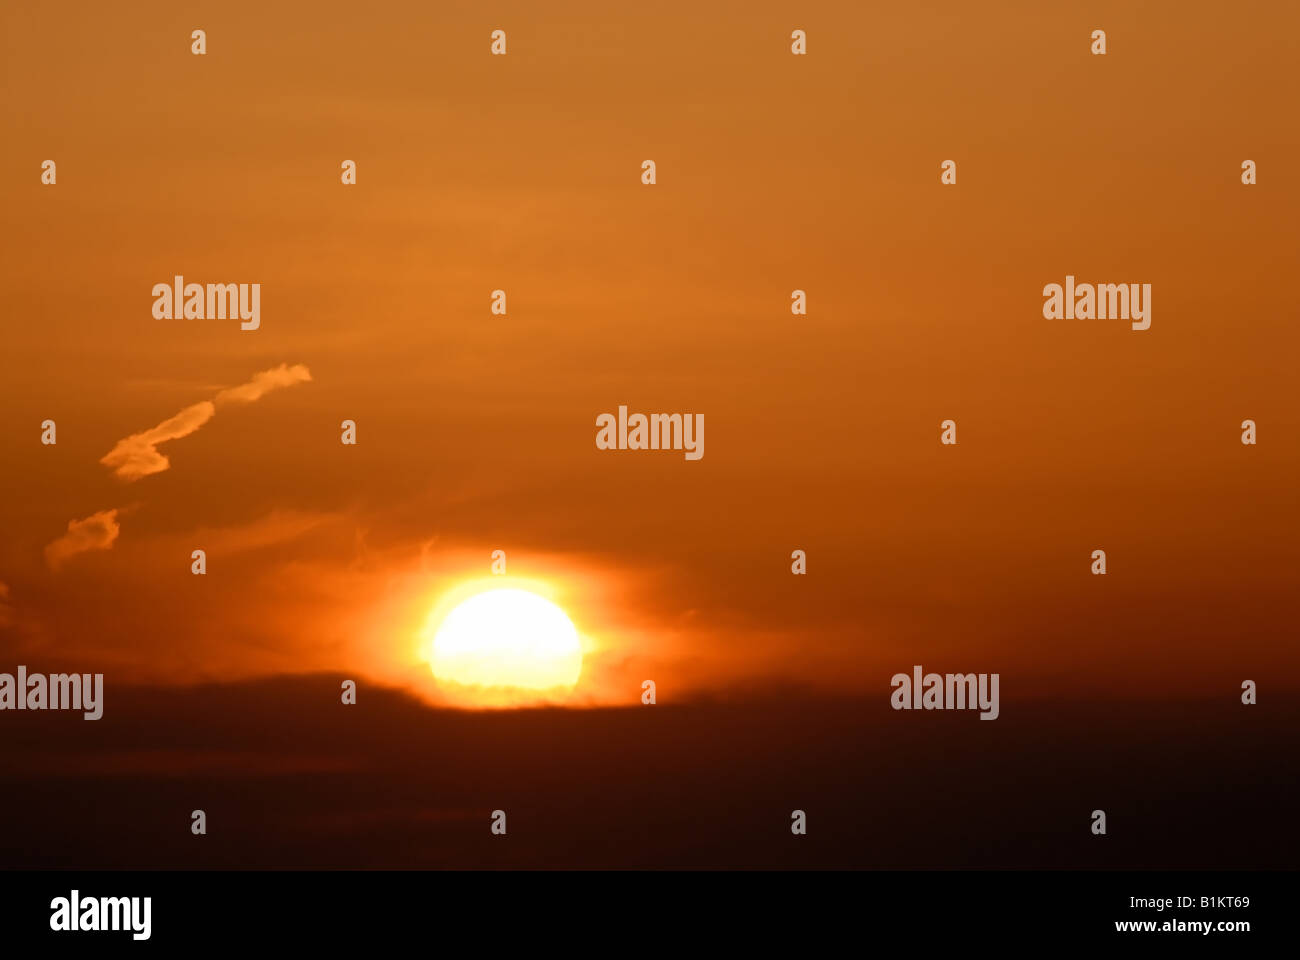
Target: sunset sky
<point x="476" y="432"/>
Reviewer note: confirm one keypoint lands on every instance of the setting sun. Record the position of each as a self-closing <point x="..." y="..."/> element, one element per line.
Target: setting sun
<point x="507" y="638"/>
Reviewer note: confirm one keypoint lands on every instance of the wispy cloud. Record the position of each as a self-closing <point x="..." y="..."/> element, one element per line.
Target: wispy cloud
<point x="264" y="382"/>
<point x="95" y="532"/>
<point x="137" y="456"/>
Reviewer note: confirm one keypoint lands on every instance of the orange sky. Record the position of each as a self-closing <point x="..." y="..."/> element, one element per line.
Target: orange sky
<point x="774" y="173"/>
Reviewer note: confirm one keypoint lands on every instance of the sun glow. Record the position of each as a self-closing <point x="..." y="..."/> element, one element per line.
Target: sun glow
<point x="505" y="638"/>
